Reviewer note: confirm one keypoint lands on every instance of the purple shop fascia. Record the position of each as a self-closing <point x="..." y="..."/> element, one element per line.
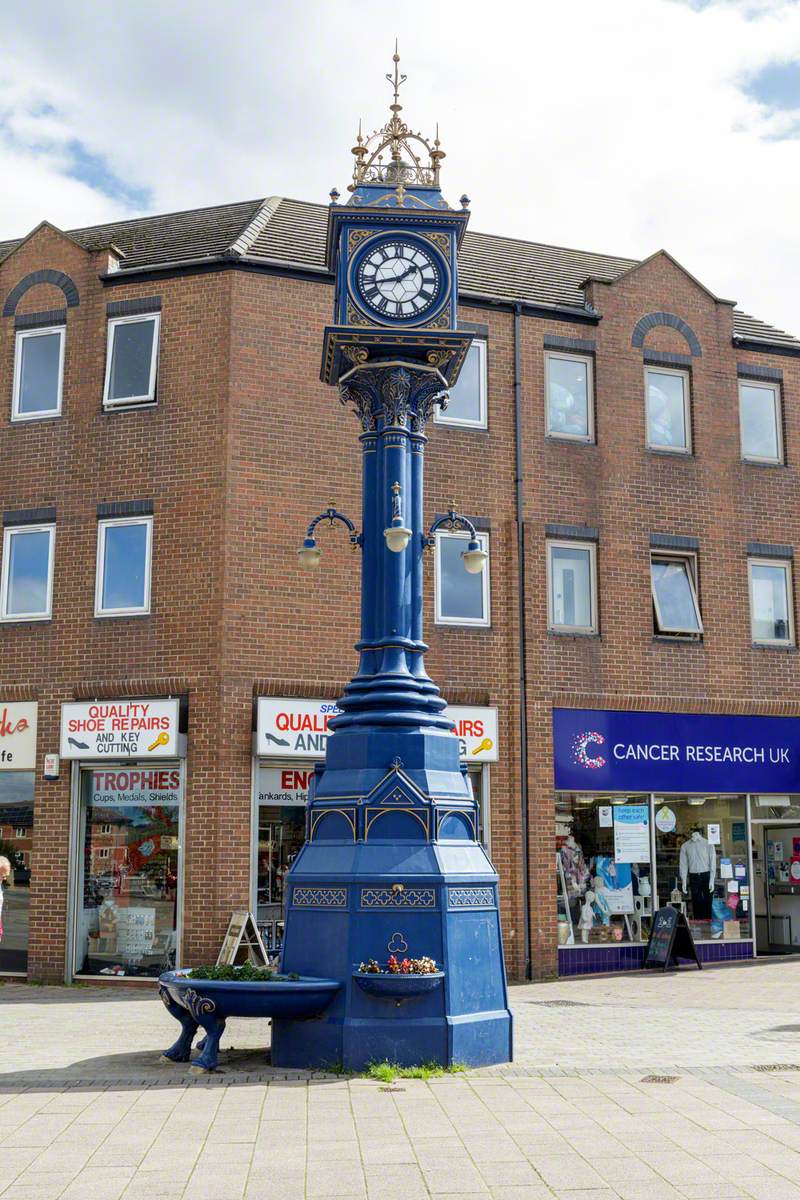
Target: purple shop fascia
<point x="654" y="808"/>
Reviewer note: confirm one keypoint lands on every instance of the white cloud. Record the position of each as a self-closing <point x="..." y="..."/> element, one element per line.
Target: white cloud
<point x="621" y="126"/>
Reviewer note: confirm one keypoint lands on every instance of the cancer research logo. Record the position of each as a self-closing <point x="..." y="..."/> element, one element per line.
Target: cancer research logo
<point x="579" y="750"/>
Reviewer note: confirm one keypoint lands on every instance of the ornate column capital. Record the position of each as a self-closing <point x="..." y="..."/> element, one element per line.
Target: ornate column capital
<point x="404" y="394"/>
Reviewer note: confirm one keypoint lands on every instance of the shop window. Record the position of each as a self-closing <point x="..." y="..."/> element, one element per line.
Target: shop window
<point x="124" y="551"/>
<point x="16" y="834"/>
<point x="760" y="422"/>
<point x="467" y="404"/>
<point x="572" y="587"/>
<point x="38" y="374"/>
<point x="568" y="392"/>
<point x="676" y="611"/>
<point x="282" y="795"/>
<point x="461" y="598"/>
<point x="702" y="864"/>
<point x="667" y="402"/>
<point x="131" y="360"/>
<point x="26" y="585"/>
<point x="126" y="910"/>
<point x="771" y="620"/>
<point x="603" y="871"/>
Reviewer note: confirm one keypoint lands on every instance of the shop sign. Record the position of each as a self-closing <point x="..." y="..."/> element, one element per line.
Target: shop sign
<point x="139" y="787"/>
<point x="18" y="735"/>
<point x="284" y="785"/>
<point x="290" y="728"/>
<point x="121" y="729"/>
<point x="614" y="751"/>
<point x="476" y="730"/>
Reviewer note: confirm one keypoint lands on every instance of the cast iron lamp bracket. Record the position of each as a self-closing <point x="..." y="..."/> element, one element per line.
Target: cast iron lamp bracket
<point x="474" y="556"/>
<point x="310" y="553"/>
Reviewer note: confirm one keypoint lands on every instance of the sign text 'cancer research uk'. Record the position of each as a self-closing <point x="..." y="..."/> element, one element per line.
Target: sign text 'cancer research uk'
<point x="605" y="750"/>
<point x="289" y="728"/>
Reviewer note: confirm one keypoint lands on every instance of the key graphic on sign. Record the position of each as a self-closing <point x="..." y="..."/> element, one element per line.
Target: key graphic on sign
<point x="161" y="740"/>
<point x="486" y="744"/>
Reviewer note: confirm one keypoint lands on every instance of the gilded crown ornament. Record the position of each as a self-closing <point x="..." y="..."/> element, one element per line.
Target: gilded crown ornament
<point x="412" y="160"/>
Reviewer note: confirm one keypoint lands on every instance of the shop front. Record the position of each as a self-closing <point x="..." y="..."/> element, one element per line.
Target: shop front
<point x="290" y="738"/>
<point x="656" y="809"/>
<point x="17" y="784"/>
<point x="128" y="781"/>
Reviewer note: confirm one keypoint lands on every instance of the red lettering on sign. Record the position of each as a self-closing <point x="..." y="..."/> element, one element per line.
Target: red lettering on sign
<point x="8" y="727"/>
<point x="295" y="780"/>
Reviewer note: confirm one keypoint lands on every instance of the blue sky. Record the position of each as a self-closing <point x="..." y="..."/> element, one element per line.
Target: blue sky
<point x="620" y="126"/>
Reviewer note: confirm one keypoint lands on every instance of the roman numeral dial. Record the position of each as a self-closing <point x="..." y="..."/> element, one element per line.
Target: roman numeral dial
<point x="399" y="279"/>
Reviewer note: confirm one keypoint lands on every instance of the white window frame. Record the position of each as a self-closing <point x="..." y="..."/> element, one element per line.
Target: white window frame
<point x="786" y="565"/>
<point x="103" y="852"/>
<point x="439" y="618"/>
<point x="102" y="526"/>
<point x="106" y="828"/>
<point x="8" y="534"/>
<point x="150" y="397"/>
<point x="687" y="409"/>
<point x="777" y="402"/>
<point x="19" y="341"/>
<point x="690" y="561"/>
<point x="572" y="544"/>
<point x="588" y="362"/>
<point x="441" y="418"/>
<point x="20" y="832"/>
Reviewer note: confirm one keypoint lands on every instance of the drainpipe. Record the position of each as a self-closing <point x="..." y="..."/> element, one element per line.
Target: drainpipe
<point x="523" y="670"/>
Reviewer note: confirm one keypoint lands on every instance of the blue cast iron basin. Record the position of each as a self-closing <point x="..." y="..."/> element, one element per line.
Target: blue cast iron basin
<point x="304" y="997"/>
<point x="397" y="987"/>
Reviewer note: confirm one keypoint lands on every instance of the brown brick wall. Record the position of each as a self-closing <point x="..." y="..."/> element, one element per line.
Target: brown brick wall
<point x="245" y="445"/>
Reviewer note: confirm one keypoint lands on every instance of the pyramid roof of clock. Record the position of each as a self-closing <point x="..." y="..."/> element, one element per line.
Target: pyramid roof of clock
<point x="289" y="235"/>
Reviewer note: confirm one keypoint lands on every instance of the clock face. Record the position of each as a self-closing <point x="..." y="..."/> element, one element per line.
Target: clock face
<point x="399" y="279"/>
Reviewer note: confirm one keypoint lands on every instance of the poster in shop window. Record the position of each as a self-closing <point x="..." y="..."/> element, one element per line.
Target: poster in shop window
<point x="631" y="833"/>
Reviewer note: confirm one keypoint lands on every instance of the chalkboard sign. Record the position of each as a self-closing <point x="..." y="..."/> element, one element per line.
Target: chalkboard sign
<point x="670" y="940"/>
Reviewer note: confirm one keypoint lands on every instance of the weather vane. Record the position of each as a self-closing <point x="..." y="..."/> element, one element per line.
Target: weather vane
<point x="396" y="80"/>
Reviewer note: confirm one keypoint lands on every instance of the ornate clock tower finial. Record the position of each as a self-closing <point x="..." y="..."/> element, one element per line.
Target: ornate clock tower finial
<point x="413" y="161"/>
<point x="393" y="251"/>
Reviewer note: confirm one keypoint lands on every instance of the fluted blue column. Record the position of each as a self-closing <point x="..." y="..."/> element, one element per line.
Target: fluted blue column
<point x="391" y="686"/>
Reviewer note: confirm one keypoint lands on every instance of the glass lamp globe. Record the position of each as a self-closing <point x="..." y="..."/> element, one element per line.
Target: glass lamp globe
<point x="397" y="538"/>
<point x="474" y="558"/>
<point x="309" y="554"/>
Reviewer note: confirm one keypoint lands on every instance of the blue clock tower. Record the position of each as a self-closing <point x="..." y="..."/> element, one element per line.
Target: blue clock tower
<point x="392" y="864"/>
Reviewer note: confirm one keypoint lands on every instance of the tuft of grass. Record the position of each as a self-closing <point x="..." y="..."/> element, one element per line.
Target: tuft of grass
<point x="387" y="1072"/>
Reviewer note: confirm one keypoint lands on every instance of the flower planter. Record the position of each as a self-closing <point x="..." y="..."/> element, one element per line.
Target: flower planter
<point x="397" y="987"/>
<point x="209" y="1002"/>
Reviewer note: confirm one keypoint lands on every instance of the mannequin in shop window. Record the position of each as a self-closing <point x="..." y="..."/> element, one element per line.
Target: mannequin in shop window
<point x="586" y="920"/>
<point x="698" y="868"/>
<point x="573" y="864"/>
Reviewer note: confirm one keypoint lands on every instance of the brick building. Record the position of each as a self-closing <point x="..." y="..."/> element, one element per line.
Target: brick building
<point x="627" y="445"/>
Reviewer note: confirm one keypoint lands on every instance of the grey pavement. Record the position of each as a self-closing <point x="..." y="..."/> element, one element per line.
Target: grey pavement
<point x="638" y="1087"/>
